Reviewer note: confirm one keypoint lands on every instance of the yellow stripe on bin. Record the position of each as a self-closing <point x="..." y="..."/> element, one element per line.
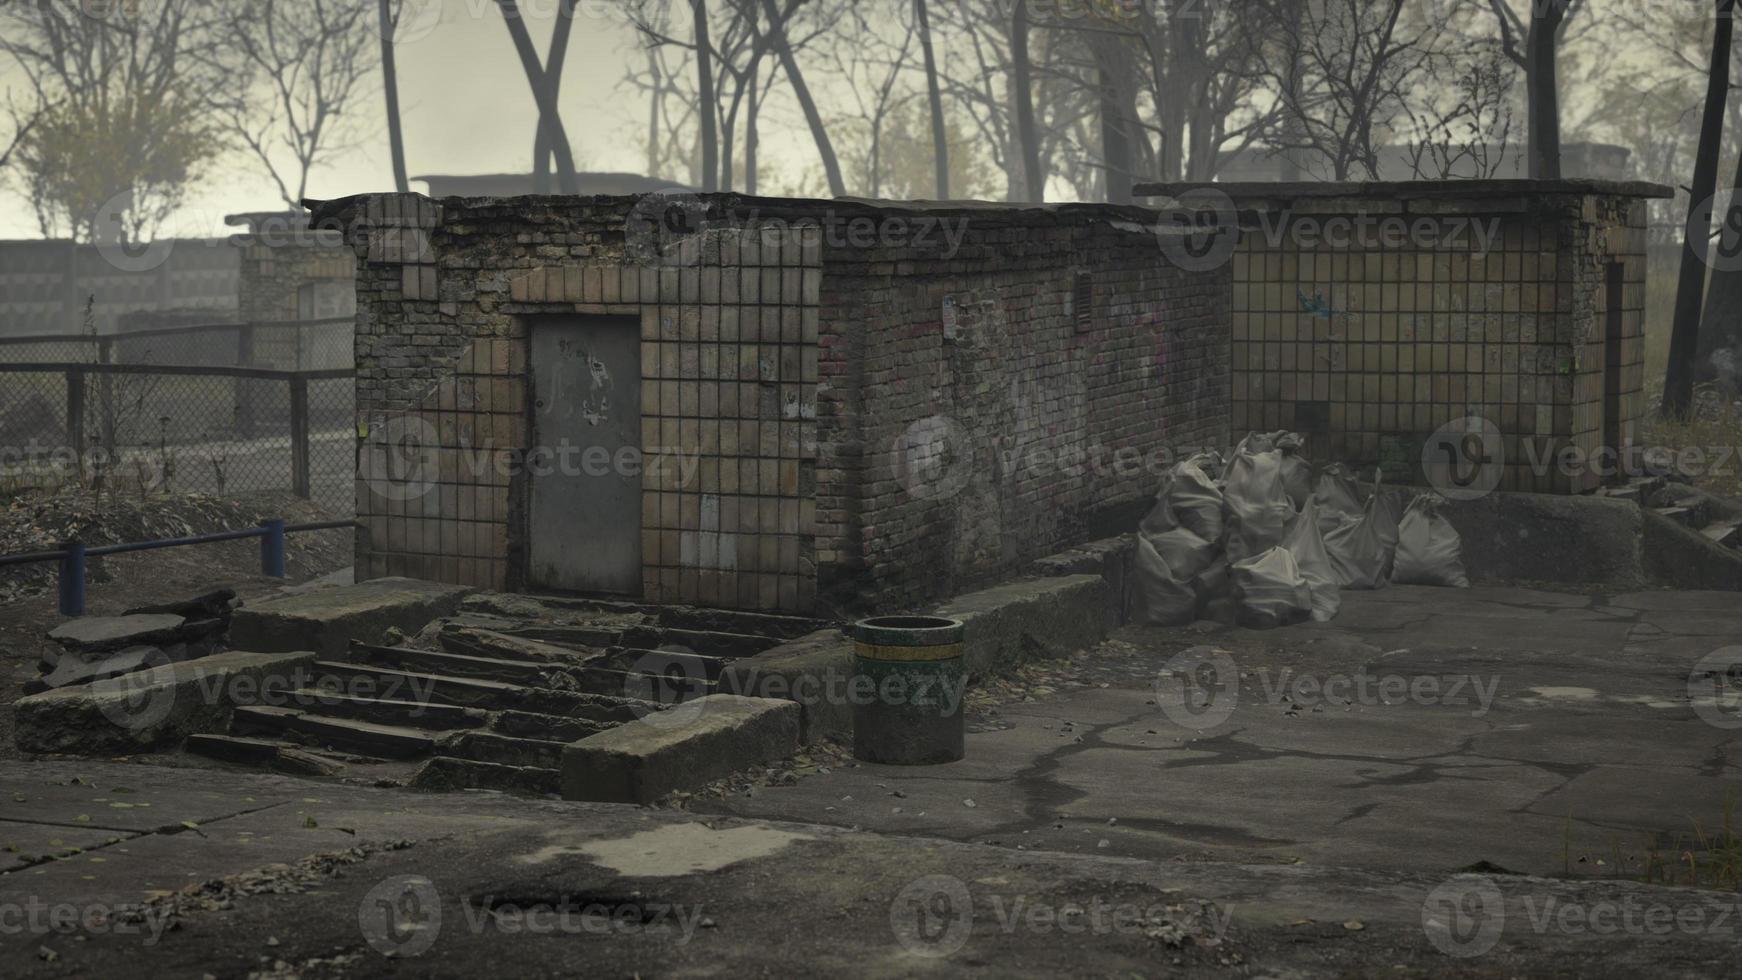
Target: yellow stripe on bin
<point x="870" y="651"/>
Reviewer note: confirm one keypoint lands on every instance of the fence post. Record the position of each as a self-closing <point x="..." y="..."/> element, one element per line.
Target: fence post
<point x="244" y="390"/>
<point x="76" y="416"/>
<point x="299" y="460"/>
<point x="272" y="548"/>
<point x="72" y="580"/>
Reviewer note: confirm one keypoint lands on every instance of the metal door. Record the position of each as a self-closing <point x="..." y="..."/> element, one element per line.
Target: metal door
<point x="584" y="515"/>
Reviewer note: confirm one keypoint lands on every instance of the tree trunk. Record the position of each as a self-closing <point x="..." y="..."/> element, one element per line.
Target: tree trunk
<point x="1022" y="89"/>
<point x="705" y="108"/>
<point x="1115" y="122"/>
<point x="789" y="64"/>
<point x="390" y="87"/>
<point x="653" y="104"/>
<point x="547" y="109"/>
<point x="553" y="83"/>
<point x="751" y="138"/>
<point x="1543" y="89"/>
<point x="934" y="94"/>
<point x="1678" y="378"/>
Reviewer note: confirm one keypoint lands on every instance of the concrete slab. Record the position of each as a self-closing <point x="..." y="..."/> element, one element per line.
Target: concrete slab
<point x="327" y="620"/>
<point x="682" y="747"/>
<point x="147" y="708"/>
<point x="1423" y="728"/>
<point x="1029" y="618"/>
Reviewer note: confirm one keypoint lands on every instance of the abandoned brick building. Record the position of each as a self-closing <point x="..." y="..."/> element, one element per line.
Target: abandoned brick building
<point x="806" y="405"/>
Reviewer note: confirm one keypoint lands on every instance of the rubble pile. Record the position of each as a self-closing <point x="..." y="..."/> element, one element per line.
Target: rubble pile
<point x="97" y="647"/>
<point x="1266" y="538"/>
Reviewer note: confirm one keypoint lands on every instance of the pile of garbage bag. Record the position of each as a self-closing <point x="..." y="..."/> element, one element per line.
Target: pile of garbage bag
<point x="1265" y="539"/>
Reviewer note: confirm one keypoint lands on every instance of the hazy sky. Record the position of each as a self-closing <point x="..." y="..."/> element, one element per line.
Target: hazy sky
<point x="466" y="107"/>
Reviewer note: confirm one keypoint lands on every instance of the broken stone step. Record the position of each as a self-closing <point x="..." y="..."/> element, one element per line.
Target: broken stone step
<point x="531" y="724"/>
<point x="698" y="641"/>
<point x="634" y="685"/>
<point x="504" y="750"/>
<point x="327" y="620"/>
<point x="731" y="621"/>
<point x="445" y="773"/>
<point x="1727" y="535"/>
<point x="646" y="661"/>
<point x="1621" y="493"/>
<point x="475" y="693"/>
<point x="263" y="753"/>
<point x="217" y="604"/>
<point x="407" y="713"/>
<point x="73" y="669"/>
<point x="478" y="642"/>
<point x="1684" y="516"/>
<point x="582" y="638"/>
<point x="362" y="737"/>
<point x="458" y="665"/>
<point x="98" y="634"/>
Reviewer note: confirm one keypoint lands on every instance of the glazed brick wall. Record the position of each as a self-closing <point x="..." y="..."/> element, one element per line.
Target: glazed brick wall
<point x="1369" y="348"/>
<point x="969" y="418"/>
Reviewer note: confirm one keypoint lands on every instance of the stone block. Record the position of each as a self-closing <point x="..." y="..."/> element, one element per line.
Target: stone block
<point x="681" y="748"/>
<point x="1048" y="617"/>
<point x="149" y="708"/>
<point x="326" y="621"/>
<point x="812" y="671"/>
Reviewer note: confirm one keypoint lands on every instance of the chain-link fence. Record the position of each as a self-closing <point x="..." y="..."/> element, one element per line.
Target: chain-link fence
<point x="163" y="427"/>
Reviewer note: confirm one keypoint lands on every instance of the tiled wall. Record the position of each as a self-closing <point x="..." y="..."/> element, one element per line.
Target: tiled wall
<point x="728" y="378"/>
<point x="1370" y="348"/>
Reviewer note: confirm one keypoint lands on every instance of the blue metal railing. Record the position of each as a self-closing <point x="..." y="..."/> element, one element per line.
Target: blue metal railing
<point x="73" y="554"/>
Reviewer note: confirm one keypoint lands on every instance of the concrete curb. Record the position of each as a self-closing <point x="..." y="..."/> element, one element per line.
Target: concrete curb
<point x="691" y="744"/>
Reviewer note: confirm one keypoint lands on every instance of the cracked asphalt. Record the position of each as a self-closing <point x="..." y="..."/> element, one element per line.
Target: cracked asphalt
<point x="1465" y="783"/>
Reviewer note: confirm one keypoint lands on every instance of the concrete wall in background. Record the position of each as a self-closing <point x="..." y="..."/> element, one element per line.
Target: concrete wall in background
<point x="44" y="284"/>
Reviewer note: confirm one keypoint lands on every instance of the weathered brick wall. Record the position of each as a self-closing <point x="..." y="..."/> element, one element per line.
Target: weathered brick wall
<point x="795" y="367"/>
<point x="971" y="420"/>
<point x="294" y="275"/>
<point x="1489" y="306"/>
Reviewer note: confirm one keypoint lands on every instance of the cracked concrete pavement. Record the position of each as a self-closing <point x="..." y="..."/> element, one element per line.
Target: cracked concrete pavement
<point x="1118" y="827"/>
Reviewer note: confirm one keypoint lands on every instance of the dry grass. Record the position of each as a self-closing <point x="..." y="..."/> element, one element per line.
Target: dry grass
<point x="1718" y="439"/>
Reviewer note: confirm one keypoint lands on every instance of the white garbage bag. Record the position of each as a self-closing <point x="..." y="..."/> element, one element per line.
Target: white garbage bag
<point x="1306" y="545"/>
<point x="1338" y="496"/>
<point x="1269" y="591"/>
<point x="1159" y="597"/>
<point x="1429" y="551"/>
<point x="1258" y="508"/>
<point x="1193" y="496"/>
<point x="1297" y="472"/>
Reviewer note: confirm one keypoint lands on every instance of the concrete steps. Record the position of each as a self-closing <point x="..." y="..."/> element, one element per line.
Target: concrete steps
<point x="363" y="737"/>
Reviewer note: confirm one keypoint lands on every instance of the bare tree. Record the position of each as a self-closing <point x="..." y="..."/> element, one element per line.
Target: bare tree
<point x="554" y="59"/>
<point x="777" y="29"/>
<point x="119" y="112"/>
<point x="1542" y="34"/>
<point x="306" y="61"/>
<point x="708" y="104"/>
<point x="1466" y="135"/>
<point x="388" y="16"/>
<point x="549" y="116"/>
<point x="1678" y="380"/>
<point x="1342" y="71"/>
<point x="1022" y="95"/>
<point x="934" y="95"/>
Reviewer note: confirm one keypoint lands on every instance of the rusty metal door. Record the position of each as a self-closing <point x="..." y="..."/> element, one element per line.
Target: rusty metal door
<point x="584" y="467"/>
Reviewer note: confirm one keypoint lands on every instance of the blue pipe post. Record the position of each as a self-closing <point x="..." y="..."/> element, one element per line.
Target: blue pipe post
<point x="272" y="548"/>
<point x="72" y="580"/>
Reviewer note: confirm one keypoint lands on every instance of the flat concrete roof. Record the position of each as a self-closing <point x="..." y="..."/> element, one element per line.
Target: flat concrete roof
<point x="1408" y="189"/>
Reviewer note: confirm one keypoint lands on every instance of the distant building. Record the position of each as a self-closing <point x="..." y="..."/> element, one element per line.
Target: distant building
<point x="516" y="185"/>
<point x="1597" y="161"/>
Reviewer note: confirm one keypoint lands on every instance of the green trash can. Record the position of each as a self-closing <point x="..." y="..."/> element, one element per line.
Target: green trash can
<point x="907" y="690"/>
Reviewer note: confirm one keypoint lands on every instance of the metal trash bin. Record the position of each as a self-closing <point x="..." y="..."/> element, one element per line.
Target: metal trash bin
<point x="907" y="690"/>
